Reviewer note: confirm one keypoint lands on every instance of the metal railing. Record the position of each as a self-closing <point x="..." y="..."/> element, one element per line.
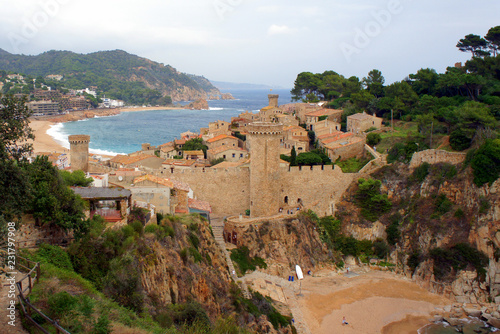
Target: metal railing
<point x="25" y="307"/>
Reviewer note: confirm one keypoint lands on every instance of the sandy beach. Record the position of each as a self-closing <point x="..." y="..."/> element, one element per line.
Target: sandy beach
<point x="44" y="142"/>
<point x="372" y="302"/>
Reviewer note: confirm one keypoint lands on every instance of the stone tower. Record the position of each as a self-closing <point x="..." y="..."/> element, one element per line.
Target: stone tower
<point x="273" y="100"/>
<point x="79" y="152"/>
<point x="264" y="167"/>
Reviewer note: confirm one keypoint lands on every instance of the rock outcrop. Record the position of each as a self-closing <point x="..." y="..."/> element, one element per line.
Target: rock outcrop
<point x="200" y="104"/>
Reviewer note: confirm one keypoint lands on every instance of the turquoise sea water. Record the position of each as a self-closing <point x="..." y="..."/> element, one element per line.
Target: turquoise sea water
<point x="126" y="132"/>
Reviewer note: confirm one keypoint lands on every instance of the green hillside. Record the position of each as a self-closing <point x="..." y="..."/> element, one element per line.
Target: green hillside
<point x="117" y="74"/>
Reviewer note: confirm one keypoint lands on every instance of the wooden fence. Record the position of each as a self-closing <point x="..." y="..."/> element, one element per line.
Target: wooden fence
<point x="25" y="286"/>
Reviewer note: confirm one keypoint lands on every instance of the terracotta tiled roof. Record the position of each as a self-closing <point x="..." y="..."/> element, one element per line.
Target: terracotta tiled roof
<point x="219" y="137"/>
<point x="343" y="136"/>
<point x="294" y="128"/>
<point x="127" y="160"/>
<point x="328" y="135"/>
<point x="179" y="141"/>
<point x="154" y="179"/>
<point x="323" y="112"/>
<point x="224" y="148"/>
<point x="181" y="185"/>
<point x="347" y="141"/>
<point x="196" y="152"/>
<point x="179" y="162"/>
<point x="199" y="205"/>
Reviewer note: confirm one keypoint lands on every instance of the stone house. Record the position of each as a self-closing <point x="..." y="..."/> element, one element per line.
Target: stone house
<point x="286" y="119"/>
<point x="361" y="122"/>
<point x="327" y="138"/>
<point x="168" y="151"/>
<point x="193" y="155"/>
<point x="313" y="117"/>
<point x="139" y="160"/>
<point x="222" y="140"/>
<point x="325" y="126"/>
<point x="294" y="136"/>
<point x="171" y="164"/>
<point x="345" y="148"/>
<point x="154" y="190"/>
<point x="218" y="128"/>
<point x="229" y="153"/>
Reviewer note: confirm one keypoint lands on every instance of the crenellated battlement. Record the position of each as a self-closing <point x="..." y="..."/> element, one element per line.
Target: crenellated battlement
<point x="79" y="139"/>
<point x="265" y="128"/>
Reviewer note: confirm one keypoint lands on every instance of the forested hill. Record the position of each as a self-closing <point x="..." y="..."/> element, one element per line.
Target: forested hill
<point x="117" y="74"/>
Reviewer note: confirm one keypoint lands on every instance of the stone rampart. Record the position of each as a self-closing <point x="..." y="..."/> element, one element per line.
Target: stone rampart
<point x="435" y="157"/>
<point x="227" y="190"/>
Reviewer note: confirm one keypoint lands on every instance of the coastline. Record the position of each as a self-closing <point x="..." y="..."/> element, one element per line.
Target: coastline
<point x="41" y="124"/>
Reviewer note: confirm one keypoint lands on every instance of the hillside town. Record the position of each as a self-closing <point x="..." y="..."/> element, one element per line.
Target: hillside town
<point x="222" y="146"/>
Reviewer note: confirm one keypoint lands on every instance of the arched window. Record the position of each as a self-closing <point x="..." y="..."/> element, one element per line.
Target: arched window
<point x="286" y="199"/>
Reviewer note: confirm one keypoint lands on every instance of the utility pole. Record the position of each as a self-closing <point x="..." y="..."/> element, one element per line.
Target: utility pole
<point x="432" y="126"/>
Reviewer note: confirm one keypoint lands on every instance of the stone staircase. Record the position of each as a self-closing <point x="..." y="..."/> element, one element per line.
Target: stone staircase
<point x="217" y="224"/>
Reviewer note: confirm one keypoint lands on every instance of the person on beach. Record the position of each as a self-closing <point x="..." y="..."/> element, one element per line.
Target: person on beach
<point x="344" y="322"/>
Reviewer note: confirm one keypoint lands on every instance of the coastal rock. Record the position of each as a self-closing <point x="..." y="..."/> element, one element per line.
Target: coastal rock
<point x="472" y="312"/>
<point x="494" y="322"/>
<point x="227" y="96"/>
<point x="200" y="104"/>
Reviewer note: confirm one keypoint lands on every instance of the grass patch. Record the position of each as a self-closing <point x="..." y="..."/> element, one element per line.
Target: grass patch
<point x="352" y="165"/>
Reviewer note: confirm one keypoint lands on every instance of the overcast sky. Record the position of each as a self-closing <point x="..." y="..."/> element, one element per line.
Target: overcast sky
<point x="255" y="41"/>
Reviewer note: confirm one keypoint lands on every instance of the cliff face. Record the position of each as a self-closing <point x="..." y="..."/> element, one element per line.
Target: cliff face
<point x="283" y="244"/>
<point x="188" y="267"/>
<point x="440" y="211"/>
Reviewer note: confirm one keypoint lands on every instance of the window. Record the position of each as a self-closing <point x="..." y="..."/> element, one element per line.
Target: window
<point x="224" y="156"/>
<point x="234" y="155"/>
<point x="241" y="155"/>
<point x="286" y="200"/>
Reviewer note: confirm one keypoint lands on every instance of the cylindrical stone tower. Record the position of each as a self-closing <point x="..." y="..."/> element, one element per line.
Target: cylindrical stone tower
<point x="79" y="152"/>
<point x="273" y="100"/>
<point x="264" y="140"/>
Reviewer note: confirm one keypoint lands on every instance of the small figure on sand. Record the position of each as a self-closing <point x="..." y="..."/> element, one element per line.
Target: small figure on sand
<point x="344" y="322"/>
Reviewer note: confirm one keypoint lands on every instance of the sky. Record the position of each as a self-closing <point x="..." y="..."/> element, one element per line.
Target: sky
<point x="256" y="41"/>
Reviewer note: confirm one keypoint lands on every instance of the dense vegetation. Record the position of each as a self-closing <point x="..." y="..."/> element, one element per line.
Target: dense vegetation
<point x="462" y="104"/>
<point x="117" y="74"/>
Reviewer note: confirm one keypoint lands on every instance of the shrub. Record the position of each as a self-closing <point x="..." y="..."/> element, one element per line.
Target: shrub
<point x="55" y="255"/>
<point x="371" y="201"/>
<point x="61" y="303"/>
<point x="151" y="228"/>
<point x="459" y="140"/>
<point x="420" y="173"/>
<point x="486" y="162"/>
<point x="373" y="139"/>
<point x="442" y="204"/>
<point x="241" y="256"/>
<point x="393" y="233"/>
<point x="484" y="205"/>
<point x="103" y="325"/>
<point x="457" y="258"/>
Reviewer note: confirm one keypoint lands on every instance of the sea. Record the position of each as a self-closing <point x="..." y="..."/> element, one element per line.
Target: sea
<point x="124" y="133"/>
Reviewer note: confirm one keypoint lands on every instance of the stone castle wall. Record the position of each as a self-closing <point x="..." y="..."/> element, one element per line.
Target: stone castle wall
<point x="227" y="190"/>
<point x="317" y="188"/>
<point x="436" y="156"/>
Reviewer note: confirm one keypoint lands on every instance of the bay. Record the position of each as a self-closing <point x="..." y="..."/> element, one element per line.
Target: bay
<point x="124" y="133"/>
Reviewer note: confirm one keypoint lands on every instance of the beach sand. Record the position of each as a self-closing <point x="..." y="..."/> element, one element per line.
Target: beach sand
<point x="372" y="302"/>
<point x="44" y="142"/>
